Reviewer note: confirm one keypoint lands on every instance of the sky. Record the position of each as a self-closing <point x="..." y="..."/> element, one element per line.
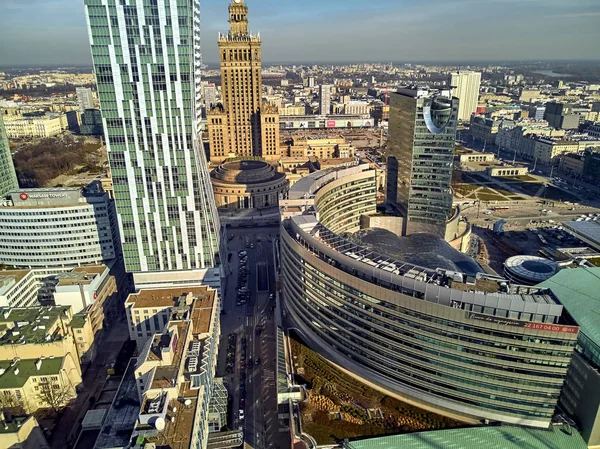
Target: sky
<point x="47" y="32"/>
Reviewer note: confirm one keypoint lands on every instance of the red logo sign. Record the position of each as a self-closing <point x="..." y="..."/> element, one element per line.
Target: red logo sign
<point x="24" y="196"/>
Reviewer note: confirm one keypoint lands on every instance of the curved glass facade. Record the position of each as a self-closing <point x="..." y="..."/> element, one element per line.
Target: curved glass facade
<point x="466" y="360"/>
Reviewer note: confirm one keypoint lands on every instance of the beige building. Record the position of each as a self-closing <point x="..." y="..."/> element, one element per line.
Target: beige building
<point x="527" y="95"/>
<point x="247" y="184"/>
<point x="299" y="109"/>
<point x="572" y="164"/>
<point x="520" y="137"/>
<point x="21" y="433"/>
<point x="356" y="108"/>
<point x="321" y="147"/>
<point x="465" y="86"/>
<point x="44" y="382"/>
<point x="546" y="150"/>
<point x="477" y="157"/>
<point x="507" y="171"/>
<point x="33" y="332"/>
<point x="18" y="127"/>
<point x="242" y="125"/>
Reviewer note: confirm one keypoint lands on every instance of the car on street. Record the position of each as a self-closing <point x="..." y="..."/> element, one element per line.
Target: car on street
<point x="241" y="415"/>
<point x="257" y="361"/>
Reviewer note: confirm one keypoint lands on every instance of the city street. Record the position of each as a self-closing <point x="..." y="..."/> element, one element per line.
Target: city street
<point x="109" y="345"/>
<point x="251" y="385"/>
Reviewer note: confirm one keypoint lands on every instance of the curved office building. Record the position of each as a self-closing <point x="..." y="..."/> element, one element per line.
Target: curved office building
<point x="468" y="346"/>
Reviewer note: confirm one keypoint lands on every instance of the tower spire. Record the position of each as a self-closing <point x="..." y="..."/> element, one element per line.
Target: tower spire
<point x="238" y="18"/>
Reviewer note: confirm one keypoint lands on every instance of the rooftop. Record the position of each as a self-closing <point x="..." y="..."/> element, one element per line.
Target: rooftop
<point x="170" y="297"/>
<point x="31" y="324"/>
<point x="16" y="373"/>
<point x="177" y="434"/>
<point x="496" y="437"/>
<point x="81" y="275"/>
<point x="577" y="289"/>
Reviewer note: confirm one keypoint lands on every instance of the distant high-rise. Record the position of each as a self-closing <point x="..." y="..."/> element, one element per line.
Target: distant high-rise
<point x="147" y="58"/>
<point x="325" y="99"/>
<point x="84" y="98"/>
<point x="210" y="96"/>
<point x="466" y="88"/>
<point x="242" y="125"/>
<point x="8" y="176"/>
<point x="420" y="154"/>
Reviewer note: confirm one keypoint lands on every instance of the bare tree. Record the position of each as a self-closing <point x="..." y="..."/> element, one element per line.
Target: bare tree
<point x="10" y="403"/>
<point x="55" y="396"/>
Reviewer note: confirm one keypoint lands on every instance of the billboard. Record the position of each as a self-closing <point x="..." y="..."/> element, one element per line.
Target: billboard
<point x="329" y="123"/>
<point x="524" y="324"/>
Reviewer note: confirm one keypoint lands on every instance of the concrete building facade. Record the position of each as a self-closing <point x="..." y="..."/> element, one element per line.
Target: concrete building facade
<point x="85" y="100"/>
<point x="465" y="86"/>
<point x="324" y="100"/>
<point x="56" y="227"/>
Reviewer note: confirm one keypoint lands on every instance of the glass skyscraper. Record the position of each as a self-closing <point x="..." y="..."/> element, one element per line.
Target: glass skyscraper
<point x="8" y="176"/>
<point x="147" y="60"/>
<point x="420" y="154"/>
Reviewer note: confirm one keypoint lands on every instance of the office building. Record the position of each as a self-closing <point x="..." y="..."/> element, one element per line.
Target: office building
<point x="465" y="87"/>
<point x="8" y="176"/>
<point x="210" y="95"/>
<point x="560" y="116"/>
<point x="169" y="396"/>
<point x="56" y="227"/>
<point x="591" y="165"/>
<point x="577" y="290"/>
<point x="91" y="123"/>
<point x="151" y="107"/>
<point x="324" y="99"/>
<point x="242" y="125"/>
<point x="414" y="317"/>
<point x="85" y="100"/>
<point x="420" y="156"/>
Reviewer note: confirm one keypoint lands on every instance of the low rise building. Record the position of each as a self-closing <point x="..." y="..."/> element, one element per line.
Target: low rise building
<point x="507" y="171"/>
<point x="477" y="157"/>
<point x="519" y="138"/>
<point x="22" y="433"/>
<point x="356" y="108"/>
<point x="25" y="288"/>
<point x="33" y="332"/>
<point x="20" y="127"/>
<point x="321" y="147"/>
<point x="485" y="129"/>
<point x="44" y="382"/>
<point x="571" y="164"/>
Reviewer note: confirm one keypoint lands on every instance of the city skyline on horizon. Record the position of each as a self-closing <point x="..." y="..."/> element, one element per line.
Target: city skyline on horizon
<point x="54" y="32"/>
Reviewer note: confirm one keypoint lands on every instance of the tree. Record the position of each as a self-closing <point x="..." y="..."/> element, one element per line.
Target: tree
<point x="55" y="395"/>
<point x="10" y="403"/>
